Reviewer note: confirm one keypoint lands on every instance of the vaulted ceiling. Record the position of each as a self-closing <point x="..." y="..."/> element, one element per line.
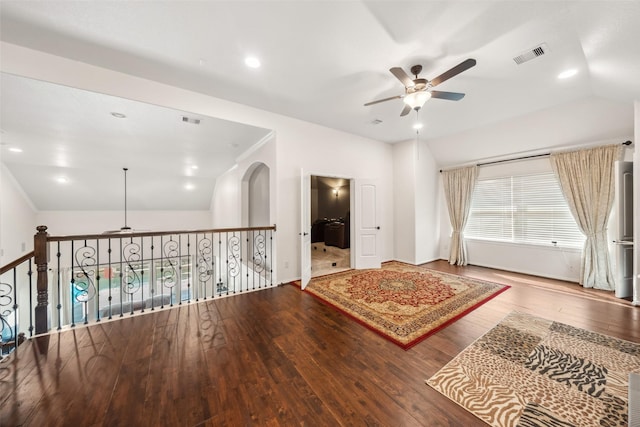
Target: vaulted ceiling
<point x="321" y="62"/>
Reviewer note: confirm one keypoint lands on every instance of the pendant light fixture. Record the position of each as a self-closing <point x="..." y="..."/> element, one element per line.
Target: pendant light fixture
<point x="126" y="228"/>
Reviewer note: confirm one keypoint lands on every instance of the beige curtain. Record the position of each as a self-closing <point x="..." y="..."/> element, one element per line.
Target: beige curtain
<point x="587" y="181"/>
<point x="458" y="189"/>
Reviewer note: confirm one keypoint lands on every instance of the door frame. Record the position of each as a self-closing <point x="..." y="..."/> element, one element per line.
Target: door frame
<point x="353" y="183"/>
<point x="351" y="180"/>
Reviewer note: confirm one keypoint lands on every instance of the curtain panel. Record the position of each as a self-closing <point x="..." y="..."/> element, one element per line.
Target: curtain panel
<point x="458" y="190"/>
<point x="587" y="181"/>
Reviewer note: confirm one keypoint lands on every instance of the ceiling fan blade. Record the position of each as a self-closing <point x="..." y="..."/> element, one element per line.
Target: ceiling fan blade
<point x="382" y="100"/>
<point x="463" y="66"/>
<point x="406" y="110"/>
<point x="402" y="76"/>
<point x="451" y="96"/>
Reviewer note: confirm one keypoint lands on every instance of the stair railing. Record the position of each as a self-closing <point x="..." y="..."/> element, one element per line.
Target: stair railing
<point x="84" y="279"/>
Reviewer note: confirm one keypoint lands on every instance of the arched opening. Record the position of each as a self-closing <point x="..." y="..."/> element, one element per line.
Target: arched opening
<point x="256" y="196"/>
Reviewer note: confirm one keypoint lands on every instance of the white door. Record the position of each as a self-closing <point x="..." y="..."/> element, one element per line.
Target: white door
<point x="305" y="229"/>
<point x="624" y="237"/>
<point x="366" y="224"/>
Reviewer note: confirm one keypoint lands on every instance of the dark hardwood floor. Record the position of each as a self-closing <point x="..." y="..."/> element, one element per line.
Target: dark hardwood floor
<point x="270" y="358"/>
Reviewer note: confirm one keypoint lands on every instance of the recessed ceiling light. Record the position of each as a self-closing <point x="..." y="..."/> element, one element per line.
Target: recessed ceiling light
<point x="568" y="73"/>
<point x="189" y="186"/>
<point x="194" y="167"/>
<point x="62" y="180"/>
<point x="418" y="126"/>
<point x="252" y="62"/>
<point x="118" y="115"/>
<point x="15" y="150"/>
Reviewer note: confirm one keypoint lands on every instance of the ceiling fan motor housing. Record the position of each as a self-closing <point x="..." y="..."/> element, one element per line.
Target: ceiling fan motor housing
<point x="419" y="84"/>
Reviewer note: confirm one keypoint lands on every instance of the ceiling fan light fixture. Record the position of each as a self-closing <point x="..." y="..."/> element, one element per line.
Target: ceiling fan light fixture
<point x="417" y="99"/>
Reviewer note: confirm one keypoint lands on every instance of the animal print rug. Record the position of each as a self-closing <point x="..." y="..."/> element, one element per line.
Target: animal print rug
<point x="529" y="371"/>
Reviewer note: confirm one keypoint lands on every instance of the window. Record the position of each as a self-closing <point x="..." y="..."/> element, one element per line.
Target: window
<point x="522" y="209"/>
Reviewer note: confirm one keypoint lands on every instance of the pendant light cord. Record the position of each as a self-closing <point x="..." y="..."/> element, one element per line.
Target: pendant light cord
<point x="125" y="199"/>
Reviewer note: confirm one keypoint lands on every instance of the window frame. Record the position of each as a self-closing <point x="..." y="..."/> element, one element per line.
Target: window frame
<point x="510" y="223"/>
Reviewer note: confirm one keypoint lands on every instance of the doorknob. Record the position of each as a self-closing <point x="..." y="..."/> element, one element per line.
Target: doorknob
<point x="378" y="228"/>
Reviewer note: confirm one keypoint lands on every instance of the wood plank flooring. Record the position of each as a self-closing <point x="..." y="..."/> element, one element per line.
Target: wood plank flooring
<point x="277" y="357"/>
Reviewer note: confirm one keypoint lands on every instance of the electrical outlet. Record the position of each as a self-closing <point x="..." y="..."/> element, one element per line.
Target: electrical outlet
<point x="286" y="264"/>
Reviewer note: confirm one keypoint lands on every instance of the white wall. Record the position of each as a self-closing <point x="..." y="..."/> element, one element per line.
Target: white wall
<point x="327" y="152"/>
<point x="63" y="223"/>
<point x="575" y="123"/>
<point x="227" y="208"/>
<point x="259" y="197"/>
<point x="416" y="213"/>
<point x="427" y="209"/>
<point x="636" y="208"/>
<point x="17" y="219"/>
<point x="404" y="201"/>
<point x="319" y="151"/>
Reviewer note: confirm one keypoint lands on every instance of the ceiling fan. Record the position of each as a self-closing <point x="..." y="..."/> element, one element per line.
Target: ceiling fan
<point x="418" y="91"/>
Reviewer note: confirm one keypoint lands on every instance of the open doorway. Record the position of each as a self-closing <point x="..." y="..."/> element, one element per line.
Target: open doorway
<point x="330" y="225"/>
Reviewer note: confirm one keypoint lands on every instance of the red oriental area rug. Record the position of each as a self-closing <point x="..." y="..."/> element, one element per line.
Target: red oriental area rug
<point x="402" y="302"/>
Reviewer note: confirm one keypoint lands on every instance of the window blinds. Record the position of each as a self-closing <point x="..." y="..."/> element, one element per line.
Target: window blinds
<point x="522" y="209"/>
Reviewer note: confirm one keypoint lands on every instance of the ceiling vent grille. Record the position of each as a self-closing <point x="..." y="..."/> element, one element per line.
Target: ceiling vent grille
<point x="190" y="120"/>
<point x="531" y="54"/>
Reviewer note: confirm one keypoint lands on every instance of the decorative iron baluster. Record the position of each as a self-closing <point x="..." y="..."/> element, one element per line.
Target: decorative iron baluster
<point x="31" y="325"/>
<point x="234" y="259"/>
<point x="98" y="277"/>
<point x="168" y="272"/>
<point x="83" y="287"/>
<point x="266" y="260"/>
<point x="259" y="255"/>
<point x="110" y="298"/>
<point x="247" y="259"/>
<point x="215" y="260"/>
<point x="161" y="272"/>
<point x="121" y="279"/>
<point x="152" y="278"/>
<point x="202" y="262"/>
<point x="6" y="308"/>
<point x="141" y="274"/>
<point x="59" y="306"/>
<point x="188" y="270"/>
<point x="221" y="287"/>
<point x="132" y="280"/>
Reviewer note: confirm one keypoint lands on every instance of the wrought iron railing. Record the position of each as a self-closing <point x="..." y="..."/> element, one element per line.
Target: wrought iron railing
<point x="90" y="278"/>
<point x="12" y="276"/>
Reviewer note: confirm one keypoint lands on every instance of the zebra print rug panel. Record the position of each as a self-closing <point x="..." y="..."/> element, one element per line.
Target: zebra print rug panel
<point x="528" y="371"/>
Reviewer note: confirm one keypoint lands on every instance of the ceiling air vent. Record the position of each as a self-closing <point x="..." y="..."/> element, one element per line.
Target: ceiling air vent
<point x="190" y="120"/>
<point x="530" y="54"/>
